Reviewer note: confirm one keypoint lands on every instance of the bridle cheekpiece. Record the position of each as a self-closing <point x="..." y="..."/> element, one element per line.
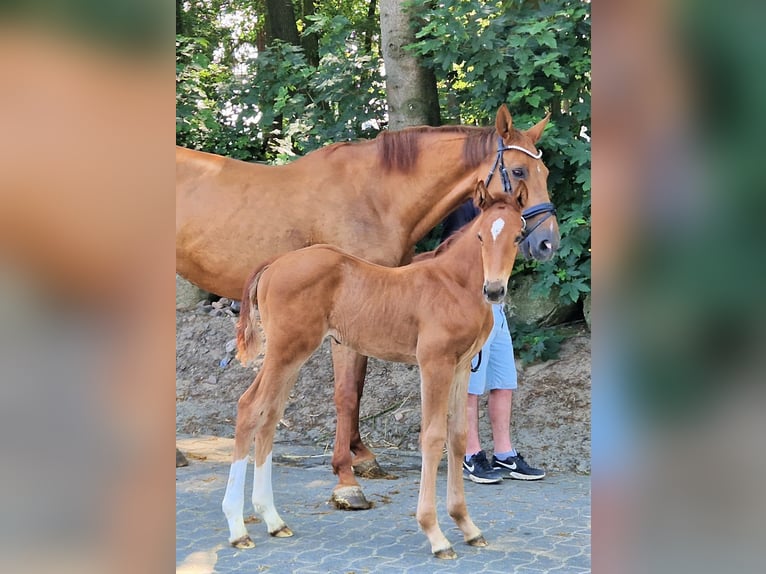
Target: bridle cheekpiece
<point x="541" y="208"/>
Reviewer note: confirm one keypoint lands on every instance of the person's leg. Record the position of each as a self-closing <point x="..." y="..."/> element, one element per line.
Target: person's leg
<point x="476" y="385"/>
<point x="476" y="466"/>
<point x="501" y="380"/>
<point x="472" y="442"/>
<point x="499" y="406"/>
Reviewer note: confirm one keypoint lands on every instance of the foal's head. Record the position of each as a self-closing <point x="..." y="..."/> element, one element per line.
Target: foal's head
<point x="498" y="228"/>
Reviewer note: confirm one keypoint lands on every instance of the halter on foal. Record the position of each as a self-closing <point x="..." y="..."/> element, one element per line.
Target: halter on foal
<point x="435" y="313"/>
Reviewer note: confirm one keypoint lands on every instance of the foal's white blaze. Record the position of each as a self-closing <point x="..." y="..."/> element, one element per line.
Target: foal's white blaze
<point x="497" y="227"/>
<point x="234" y="500"/>
<point x="263" y="496"/>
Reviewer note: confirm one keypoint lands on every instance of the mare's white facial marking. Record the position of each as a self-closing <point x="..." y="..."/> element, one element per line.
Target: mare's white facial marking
<point x="538" y="169"/>
<point x="497" y="227"/>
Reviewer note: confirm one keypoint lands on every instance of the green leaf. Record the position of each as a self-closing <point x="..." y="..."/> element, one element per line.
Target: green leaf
<point x="547" y="38"/>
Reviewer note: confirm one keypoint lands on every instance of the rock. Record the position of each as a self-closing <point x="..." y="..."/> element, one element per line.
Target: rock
<point x="525" y="307"/>
<point x="188" y="295"/>
<point x="586" y="309"/>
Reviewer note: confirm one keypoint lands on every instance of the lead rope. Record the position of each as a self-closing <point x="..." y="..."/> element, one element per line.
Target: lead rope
<point x="478" y="363"/>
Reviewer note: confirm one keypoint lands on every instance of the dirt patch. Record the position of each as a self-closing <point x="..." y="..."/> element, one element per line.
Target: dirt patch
<point x="551" y="408"/>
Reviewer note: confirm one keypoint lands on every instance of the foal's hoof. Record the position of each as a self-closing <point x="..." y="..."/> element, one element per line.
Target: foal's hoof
<point x="243" y="543"/>
<point x="283" y="532"/>
<point x="371" y="469"/>
<point x="479" y="541"/>
<point x="349" y="498"/>
<point x="446" y="554"/>
<point x="181" y="459"/>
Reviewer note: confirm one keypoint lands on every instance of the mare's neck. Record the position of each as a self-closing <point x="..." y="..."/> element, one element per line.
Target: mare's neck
<point x="411" y="202"/>
<point x="441" y="185"/>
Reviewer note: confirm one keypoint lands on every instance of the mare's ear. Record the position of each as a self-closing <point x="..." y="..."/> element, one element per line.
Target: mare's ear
<point x="536" y="130"/>
<point x="481" y="197"/>
<point x="503" y="122"/>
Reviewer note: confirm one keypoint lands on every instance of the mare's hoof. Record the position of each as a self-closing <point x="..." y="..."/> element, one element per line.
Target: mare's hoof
<point x="243" y="543"/>
<point x="446" y="554"/>
<point x="283" y="532"/>
<point x="479" y="541"/>
<point x="371" y="469"/>
<point x="181" y="459"/>
<point x="349" y="498"/>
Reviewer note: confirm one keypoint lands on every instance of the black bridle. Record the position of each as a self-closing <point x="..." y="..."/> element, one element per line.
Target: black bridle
<point x="546" y="209"/>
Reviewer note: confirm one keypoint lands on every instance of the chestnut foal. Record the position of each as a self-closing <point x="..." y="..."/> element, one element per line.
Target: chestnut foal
<point x="435" y="313"/>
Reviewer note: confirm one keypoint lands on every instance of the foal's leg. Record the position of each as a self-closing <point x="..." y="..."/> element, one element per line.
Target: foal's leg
<point x="270" y="407"/>
<point x="233" y="504"/>
<point x="258" y="411"/>
<point x="436" y="376"/>
<point x="456" y="439"/>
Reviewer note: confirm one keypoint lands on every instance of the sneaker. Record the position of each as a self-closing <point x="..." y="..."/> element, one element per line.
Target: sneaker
<point x="479" y="470"/>
<point x="516" y="467"/>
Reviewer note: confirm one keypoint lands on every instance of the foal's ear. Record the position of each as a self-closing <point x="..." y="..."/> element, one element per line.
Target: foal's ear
<point x="521" y="193"/>
<point x="503" y="122"/>
<point x="481" y="198"/>
<point x="536" y="130"/>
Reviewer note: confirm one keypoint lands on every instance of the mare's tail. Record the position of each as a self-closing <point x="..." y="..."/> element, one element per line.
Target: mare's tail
<point x="249" y="343"/>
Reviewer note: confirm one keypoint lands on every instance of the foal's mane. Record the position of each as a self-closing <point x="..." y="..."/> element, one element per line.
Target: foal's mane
<point x="447" y="243"/>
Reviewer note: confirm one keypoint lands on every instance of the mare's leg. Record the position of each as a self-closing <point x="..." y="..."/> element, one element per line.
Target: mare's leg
<point x="436" y="376"/>
<point x="456" y="440"/>
<point x="349" y="367"/>
<point x="258" y="410"/>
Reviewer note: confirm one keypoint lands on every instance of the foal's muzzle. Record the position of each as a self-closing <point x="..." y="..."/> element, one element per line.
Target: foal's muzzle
<point x="494" y="291"/>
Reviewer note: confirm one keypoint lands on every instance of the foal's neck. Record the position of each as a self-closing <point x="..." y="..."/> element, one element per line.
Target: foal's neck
<point x="461" y="260"/>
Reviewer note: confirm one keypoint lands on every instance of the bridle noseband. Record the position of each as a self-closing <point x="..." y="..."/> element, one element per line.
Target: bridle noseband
<point x="541" y="208"/>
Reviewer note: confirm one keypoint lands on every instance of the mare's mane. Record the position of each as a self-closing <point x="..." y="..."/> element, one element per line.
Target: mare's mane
<point x="400" y="150"/>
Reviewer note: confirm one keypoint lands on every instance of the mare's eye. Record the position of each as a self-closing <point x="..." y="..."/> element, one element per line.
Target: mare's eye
<point x="517" y="172"/>
<point x="480" y="238"/>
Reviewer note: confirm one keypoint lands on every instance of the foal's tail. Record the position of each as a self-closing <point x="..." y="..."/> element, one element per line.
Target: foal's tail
<point x="249" y="343"/>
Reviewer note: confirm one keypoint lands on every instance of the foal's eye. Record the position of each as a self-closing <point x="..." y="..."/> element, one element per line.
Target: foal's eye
<point x="517" y="172"/>
<point x="481" y="240"/>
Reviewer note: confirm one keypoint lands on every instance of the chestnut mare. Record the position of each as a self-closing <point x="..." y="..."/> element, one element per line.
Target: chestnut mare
<point x="434" y="313"/>
<point x="373" y="198"/>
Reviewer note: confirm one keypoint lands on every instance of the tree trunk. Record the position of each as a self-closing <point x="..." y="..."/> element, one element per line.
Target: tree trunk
<point x="280" y="21"/>
<point x="310" y="42"/>
<point x="280" y="25"/>
<point x="369" y="27"/>
<point x="410" y="86"/>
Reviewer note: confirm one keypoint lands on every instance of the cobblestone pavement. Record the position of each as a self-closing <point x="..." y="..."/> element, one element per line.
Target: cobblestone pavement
<point x="531" y="527"/>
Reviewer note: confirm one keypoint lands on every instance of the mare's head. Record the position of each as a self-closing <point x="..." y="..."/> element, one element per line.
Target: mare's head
<point x="499" y="229"/>
<point x="518" y="162"/>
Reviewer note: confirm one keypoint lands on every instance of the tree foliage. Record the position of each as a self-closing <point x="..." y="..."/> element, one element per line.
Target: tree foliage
<point x="270" y="103"/>
<point x="536" y="57"/>
<point x="244" y="96"/>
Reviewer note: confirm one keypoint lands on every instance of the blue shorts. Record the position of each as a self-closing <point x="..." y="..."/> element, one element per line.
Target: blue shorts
<point x="497" y="369"/>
